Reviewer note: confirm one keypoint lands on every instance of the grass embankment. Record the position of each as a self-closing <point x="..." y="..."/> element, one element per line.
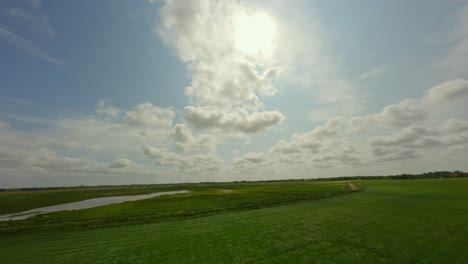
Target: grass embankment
<point x="205" y="199"/>
<point x="420" y="221"/>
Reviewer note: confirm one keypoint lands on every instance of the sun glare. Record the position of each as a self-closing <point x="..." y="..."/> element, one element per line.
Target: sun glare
<point x="255" y="33"/>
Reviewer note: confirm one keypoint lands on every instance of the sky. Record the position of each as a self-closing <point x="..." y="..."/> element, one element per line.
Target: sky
<point x="166" y="91"/>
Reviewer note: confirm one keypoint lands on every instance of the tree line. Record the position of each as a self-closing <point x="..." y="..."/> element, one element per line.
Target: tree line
<point x="426" y="175"/>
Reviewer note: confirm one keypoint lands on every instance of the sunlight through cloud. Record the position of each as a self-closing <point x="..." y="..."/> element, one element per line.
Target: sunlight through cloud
<point x="255" y="33"/>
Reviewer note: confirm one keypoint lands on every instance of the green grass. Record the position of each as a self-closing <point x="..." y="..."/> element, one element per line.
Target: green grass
<point x="412" y="221"/>
<point x="205" y="199"/>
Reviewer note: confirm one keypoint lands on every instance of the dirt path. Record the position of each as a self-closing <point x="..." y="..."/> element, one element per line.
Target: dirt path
<point x="353" y="186"/>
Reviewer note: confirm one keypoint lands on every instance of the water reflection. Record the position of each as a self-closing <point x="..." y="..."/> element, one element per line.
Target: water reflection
<point x="85" y="204"/>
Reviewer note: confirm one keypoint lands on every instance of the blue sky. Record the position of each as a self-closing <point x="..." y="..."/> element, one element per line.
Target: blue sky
<point x="107" y="50"/>
<point x="113" y="92"/>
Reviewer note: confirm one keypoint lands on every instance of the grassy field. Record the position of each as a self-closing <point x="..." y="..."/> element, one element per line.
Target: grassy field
<point x="205" y="199"/>
<point x="390" y="221"/>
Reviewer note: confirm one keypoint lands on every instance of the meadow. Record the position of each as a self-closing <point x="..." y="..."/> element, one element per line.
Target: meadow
<point x="383" y="221"/>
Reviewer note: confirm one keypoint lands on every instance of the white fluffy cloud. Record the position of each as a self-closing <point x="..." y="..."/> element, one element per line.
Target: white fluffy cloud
<point x="148" y="115"/>
<point x="81" y="145"/>
<point x="453" y="126"/>
<point x="250" y="162"/>
<point x="405" y="131"/>
<point x="226" y="88"/>
<point x="44" y="162"/>
<point x="239" y="119"/>
<point x="449" y="92"/>
<point x="227" y="91"/>
<point x="411" y="140"/>
<point x="184" y="140"/>
<point x="399" y="115"/>
<point x="113" y="129"/>
<point x="194" y="164"/>
<point x="325" y="146"/>
<point x="226" y="83"/>
<point x="251" y="158"/>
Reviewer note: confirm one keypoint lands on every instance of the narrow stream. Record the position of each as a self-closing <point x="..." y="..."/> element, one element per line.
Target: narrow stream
<point x="85" y="204"/>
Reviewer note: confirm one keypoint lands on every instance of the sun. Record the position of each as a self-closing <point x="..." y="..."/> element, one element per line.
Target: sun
<point x="255" y="34"/>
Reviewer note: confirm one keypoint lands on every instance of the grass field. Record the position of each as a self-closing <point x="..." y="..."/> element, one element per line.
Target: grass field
<point x="205" y="199"/>
<point x="390" y="221"/>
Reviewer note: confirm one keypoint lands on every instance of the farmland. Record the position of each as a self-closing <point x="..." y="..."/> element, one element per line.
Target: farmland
<point x="383" y="221"/>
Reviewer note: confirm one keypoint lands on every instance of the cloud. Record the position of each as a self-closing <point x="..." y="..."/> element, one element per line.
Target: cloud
<point x="29" y="119"/>
<point x="13" y="100"/>
<point x="441" y="98"/>
<point x="118" y="130"/>
<point x="343" y="158"/>
<point x="36" y="3"/>
<point x="252" y="161"/>
<point x="185" y="140"/>
<point x="399" y="115"/>
<point x="120" y="164"/>
<point x="449" y="92"/>
<point x="226" y="83"/>
<point x="104" y="109"/>
<point x="406" y="142"/>
<point x="373" y="72"/>
<point x="405" y="136"/>
<point x="191" y="26"/>
<point x="408" y="130"/>
<point x="399" y="155"/>
<point x="239" y="119"/>
<point x="341" y="143"/>
<point x="36" y="17"/>
<point x="309" y="63"/>
<point x="148" y="115"/>
<point x="226" y="95"/>
<point x="41" y="159"/>
<point x="324" y="146"/>
<point x="453" y="126"/>
<point x="49" y="161"/>
<point x="45" y="162"/>
<point x="27" y="46"/>
<point x="310" y="142"/>
<point x="291" y="147"/>
<point x="68" y="151"/>
<point x="10" y="159"/>
<point x="193" y="164"/>
<point x="254" y="158"/>
<point x="4" y="125"/>
<point x="453" y="62"/>
<point x="96" y="133"/>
